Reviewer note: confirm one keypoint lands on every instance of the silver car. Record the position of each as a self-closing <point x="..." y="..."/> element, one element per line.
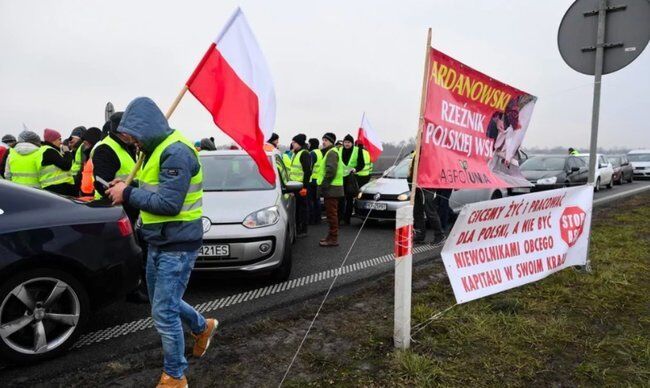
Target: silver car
<point x="390" y="192"/>
<point x="248" y="224"/>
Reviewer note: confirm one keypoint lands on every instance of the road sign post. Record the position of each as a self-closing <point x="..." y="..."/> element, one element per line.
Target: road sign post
<point x="612" y="41"/>
<point x="403" y="276"/>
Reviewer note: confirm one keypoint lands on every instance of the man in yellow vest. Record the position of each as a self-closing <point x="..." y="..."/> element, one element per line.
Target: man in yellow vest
<point x="23" y="164"/>
<point x="313" y="199"/>
<point x="170" y="202"/>
<point x="330" y="184"/>
<point x="300" y="171"/>
<point x="55" y="173"/>
<point x="76" y="146"/>
<point x="363" y="173"/>
<point x="352" y="162"/>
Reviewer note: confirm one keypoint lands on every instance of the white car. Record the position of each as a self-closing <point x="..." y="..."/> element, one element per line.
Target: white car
<point x="604" y="171"/>
<point x="640" y="160"/>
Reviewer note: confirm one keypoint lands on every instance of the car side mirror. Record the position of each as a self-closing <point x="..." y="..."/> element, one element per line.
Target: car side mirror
<point x="292" y="187"/>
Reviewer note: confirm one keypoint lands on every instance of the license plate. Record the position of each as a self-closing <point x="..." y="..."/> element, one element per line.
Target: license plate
<point x="521" y="190"/>
<point x="219" y="250"/>
<point x="374" y="206"/>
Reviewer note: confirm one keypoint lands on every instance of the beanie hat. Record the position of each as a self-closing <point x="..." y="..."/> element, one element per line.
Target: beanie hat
<point x="50" y="135"/>
<point x="115" y="121"/>
<point x="330" y="136"/>
<point x="8" y="139"/>
<point x="197" y="144"/>
<point x="29" y="137"/>
<point x="300" y="138"/>
<point x="349" y="138"/>
<point x="274" y="137"/>
<point x="313" y="143"/>
<point x="92" y="135"/>
<point x="78" y="131"/>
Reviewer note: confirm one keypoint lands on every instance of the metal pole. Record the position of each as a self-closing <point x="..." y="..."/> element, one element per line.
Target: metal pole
<point x="600" y="41"/>
<point x="598" y="73"/>
<point x="403" y="276"/>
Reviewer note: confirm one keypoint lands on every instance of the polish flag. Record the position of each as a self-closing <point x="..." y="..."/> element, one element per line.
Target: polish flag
<point x="234" y="83"/>
<point x="369" y="138"/>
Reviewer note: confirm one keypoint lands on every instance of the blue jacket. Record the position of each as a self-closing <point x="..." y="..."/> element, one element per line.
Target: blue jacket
<point x="144" y="121"/>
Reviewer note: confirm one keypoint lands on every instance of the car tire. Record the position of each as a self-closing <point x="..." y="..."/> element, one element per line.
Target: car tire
<point x="496" y="195"/>
<point x="49" y="304"/>
<point x="631" y="178"/>
<point x="283" y="272"/>
<point x="597" y="185"/>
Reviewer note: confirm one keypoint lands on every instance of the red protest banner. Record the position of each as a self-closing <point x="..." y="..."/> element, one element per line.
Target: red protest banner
<point x="474" y="126"/>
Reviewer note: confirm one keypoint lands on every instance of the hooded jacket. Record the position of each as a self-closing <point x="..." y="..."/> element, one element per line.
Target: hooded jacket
<point x="23" y="148"/>
<point x="144" y="121"/>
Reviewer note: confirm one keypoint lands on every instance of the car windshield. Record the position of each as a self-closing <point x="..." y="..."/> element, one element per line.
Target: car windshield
<point x="232" y="173"/>
<point x="544" y="163"/>
<point x="616" y="161"/>
<point x="638" y="157"/>
<point x="400" y="171"/>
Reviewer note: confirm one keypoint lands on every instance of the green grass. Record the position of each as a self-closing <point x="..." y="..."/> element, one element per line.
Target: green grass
<point x="571" y="328"/>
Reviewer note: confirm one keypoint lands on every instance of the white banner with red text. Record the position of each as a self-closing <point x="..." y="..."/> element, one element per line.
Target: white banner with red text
<point x="505" y="243"/>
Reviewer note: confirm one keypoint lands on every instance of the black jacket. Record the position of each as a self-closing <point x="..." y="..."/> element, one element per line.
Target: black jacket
<point x="347" y="154"/>
<point x="53" y="157"/>
<point x="305" y="162"/>
<point x="106" y="163"/>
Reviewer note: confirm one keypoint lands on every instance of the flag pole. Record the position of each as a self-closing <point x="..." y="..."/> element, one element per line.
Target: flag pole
<point x="170" y="111"/>
<point x="404" y="236"/>
<point x="418" y="138"/>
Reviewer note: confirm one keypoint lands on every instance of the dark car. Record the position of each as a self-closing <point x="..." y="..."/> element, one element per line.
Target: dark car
<point x="623" y="170"/>
<point x="548" y="172"/>
<point x="59" y="258"/>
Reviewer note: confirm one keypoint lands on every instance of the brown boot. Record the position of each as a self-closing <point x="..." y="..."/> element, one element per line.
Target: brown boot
<point x="202" y="341"/>
<point x="166" y="381"/>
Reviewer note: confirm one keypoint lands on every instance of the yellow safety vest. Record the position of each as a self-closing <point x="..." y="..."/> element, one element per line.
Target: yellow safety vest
<point x="352" y="163"/>
<point x="76" y="164"/>
<point x="192" y="205"/>
<point x="127" y="164"/>
<point x="367" y="168"/>
<point x="338" y="178"/>
<point x="52" y="175"/>
<point x="25" y="169"/>
<point x="296" y="172"/>
<point x="317" y="165"/>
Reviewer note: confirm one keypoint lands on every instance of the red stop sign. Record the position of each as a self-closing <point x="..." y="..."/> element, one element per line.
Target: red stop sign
<point x="572" y="223"/>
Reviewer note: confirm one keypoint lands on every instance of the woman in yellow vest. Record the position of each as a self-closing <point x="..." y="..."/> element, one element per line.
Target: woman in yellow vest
<point x="352" y="162"/>
<point x="169" y="197"/>
<point x="55" y="175"/>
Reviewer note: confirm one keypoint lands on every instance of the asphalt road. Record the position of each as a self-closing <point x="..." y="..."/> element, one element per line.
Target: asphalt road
<point x="123" y="327"/>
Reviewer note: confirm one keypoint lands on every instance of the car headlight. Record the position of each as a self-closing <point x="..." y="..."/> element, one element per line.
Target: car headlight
<point x="547" y="181"/>
<point x="404" y="196"/>
<point x="261" y="218"/>
<point x="360" y="195"/>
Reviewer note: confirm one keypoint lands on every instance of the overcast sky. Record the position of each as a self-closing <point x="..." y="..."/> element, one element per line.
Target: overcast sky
<point x="331" y="60"/>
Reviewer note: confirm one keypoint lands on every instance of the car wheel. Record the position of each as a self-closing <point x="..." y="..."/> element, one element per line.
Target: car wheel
<point x="42" y="312"/>
<point x="283" y="272"/>
<point x="496" y="195"/>
<point x="610" y="185"/>
<point x="597" y="185"/>
<point x="631" y="178"/>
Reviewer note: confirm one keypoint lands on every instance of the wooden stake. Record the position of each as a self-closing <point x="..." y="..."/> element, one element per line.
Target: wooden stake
<point x="170" y="111"/>
<point x="423" y="98"/>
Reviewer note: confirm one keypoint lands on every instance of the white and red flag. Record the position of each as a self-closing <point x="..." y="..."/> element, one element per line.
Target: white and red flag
<point x="234" y="83"/>
<point x="369" y="138"/>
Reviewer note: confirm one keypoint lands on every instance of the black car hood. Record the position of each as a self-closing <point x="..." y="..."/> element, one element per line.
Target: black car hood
<point x="534" y="175"/>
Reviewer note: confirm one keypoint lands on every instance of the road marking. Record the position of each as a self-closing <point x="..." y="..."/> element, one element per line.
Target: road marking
<point x="242" y="297"/>
<point x="626" y="193"/>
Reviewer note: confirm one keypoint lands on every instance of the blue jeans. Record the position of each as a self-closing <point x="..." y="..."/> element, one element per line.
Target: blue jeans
<point x="167" y="277"/>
